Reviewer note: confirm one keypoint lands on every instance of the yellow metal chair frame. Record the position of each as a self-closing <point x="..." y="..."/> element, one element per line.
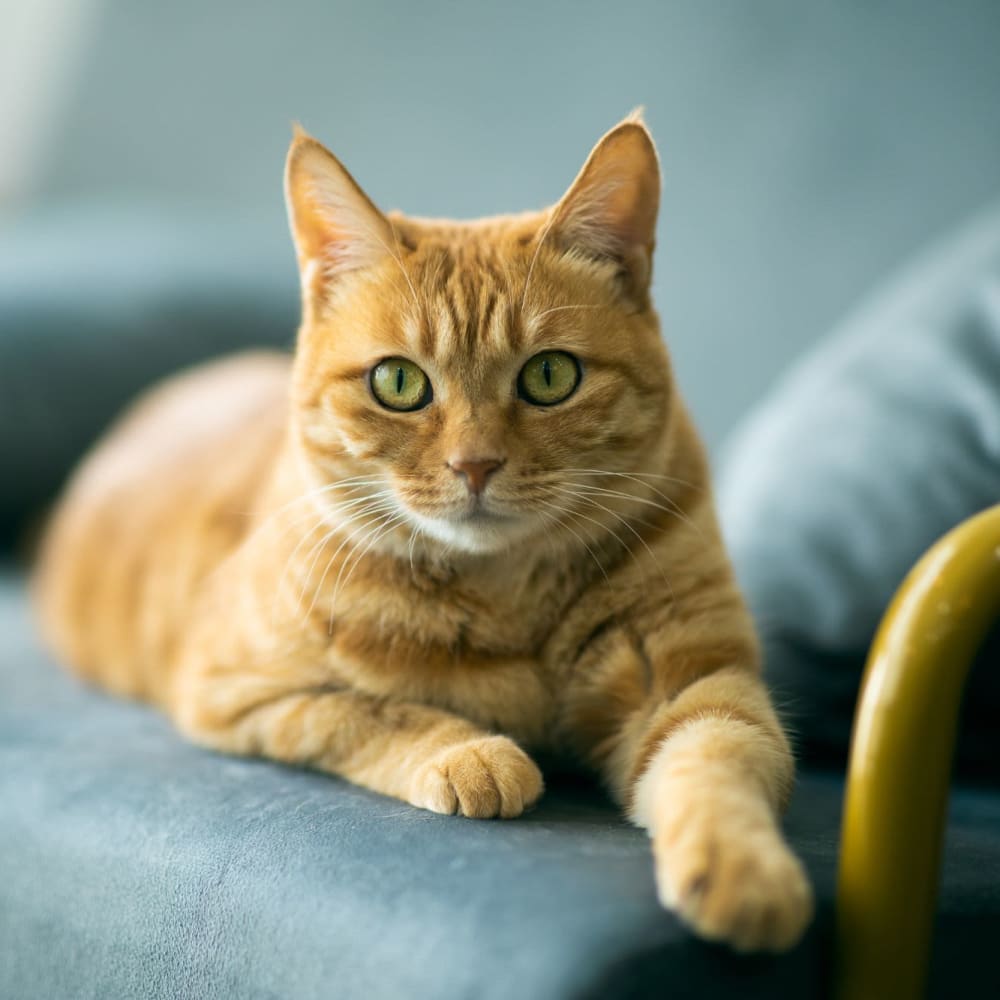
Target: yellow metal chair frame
<point x="901" y="754"/>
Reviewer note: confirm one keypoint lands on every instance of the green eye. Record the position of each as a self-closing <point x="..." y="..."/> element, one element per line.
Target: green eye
<point x="400" y="385"/>
<point x="549" y="378"/>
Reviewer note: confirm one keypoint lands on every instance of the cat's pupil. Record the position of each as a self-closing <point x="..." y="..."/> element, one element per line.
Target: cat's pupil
<point x="547" y="372"/>
<point x="400" y="379"/>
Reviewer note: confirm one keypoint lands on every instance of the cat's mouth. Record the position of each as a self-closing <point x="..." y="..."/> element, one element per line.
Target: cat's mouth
<point x="478" y="514"/>
<point x="476" y="526"/>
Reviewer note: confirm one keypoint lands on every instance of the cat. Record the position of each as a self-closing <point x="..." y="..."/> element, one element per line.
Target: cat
<point x="471" y="519"/>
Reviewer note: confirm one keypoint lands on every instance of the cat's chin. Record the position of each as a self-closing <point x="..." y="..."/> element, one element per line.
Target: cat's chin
<point x="478" y="533"/>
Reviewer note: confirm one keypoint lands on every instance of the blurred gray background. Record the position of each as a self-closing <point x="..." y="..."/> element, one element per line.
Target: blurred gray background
<point x="808" y="148"/>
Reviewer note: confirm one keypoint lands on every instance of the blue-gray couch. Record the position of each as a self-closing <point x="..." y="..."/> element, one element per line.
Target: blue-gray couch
<point x="134" y="865"/>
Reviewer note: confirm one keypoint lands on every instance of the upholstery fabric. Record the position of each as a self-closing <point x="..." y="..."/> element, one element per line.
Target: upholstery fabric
<point x="133" y="865"/>
<point x="96" y="303"/>
<point x="871" y="449"/>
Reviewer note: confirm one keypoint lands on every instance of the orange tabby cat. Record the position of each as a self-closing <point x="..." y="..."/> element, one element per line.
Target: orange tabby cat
<point x="469" y="521"/>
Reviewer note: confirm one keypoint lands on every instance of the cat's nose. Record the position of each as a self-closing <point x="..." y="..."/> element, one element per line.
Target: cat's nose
<point x="475" y="471"/>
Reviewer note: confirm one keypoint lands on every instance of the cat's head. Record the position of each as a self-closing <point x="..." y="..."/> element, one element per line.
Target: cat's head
<point x="476" y="379"/>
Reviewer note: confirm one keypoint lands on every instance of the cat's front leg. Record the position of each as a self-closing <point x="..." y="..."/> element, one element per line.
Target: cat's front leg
<point x="702" y="764"/>
<point x="414" y="752"/>
<point x="709" y="795"/>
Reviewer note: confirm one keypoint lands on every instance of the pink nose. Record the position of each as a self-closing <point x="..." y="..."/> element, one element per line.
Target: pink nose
<point x="475" y="471"/>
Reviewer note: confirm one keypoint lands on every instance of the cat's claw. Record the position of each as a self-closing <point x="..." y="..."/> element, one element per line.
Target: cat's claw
<point x="480" y="778"/>
<point x="743" y="888"/>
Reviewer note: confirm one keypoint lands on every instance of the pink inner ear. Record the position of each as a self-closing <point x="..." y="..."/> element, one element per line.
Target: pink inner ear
<point x="334" y="223"/>
<point x="611" y="209"/>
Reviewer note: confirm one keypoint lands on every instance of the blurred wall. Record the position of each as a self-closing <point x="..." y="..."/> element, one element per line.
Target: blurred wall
<point x="807" y="147"/>
<point x="40" y="43"/>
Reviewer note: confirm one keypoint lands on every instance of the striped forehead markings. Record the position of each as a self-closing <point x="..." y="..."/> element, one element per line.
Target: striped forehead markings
<point x="468" y="311"/>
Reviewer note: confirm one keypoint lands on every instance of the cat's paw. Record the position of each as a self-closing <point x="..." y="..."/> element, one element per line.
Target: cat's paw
<point x="481" y="778"/>
<point x="742" y="887"/>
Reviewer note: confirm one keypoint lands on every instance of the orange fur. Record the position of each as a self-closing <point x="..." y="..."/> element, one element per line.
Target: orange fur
<point x="290" y="569"/>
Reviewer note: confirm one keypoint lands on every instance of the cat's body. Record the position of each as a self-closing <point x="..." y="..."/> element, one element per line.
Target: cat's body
<point x="410" y="571"/>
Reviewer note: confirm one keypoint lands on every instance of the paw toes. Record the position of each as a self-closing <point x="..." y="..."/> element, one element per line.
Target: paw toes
<point x="478" y="795"/>
<point x="485" y="778"/>
<point x="749" y="893"/>
<point x="434" y="792"/>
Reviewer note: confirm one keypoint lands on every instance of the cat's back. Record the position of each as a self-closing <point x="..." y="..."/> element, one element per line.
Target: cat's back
<point x="156" y="505"/>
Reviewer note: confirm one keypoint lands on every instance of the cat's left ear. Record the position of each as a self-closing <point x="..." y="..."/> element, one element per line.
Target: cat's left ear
<point x="335" y="226"/>
<point x="609" y="212"/>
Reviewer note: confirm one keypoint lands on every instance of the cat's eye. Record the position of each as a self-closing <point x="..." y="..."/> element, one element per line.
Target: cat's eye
<point x="399" y="384"/>
<point x="549" y="378"/>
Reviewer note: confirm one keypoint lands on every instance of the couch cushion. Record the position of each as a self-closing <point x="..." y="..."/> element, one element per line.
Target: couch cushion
<point x="135" y="865"/>
<point x="871" y="449"/>
<point x="96" y="302"/>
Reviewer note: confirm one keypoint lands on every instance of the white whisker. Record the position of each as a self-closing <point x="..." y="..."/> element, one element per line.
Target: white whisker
<point x="399" y="263"/>
<point x="415" y="531"/>
<point x="379" y="531"/>
<point x="374" y="507"/>
<point x="634" y="473"/>
<point x="575" y="534"/>
<point x="555" y="309"/>
<point x="642" y="540"/>
<point x="345" y="541"/>
<point x="674" y="509"/>
<point x="534" y="257"/>
<point x="312" y="494"/>
<point x="320" y="522"/>
<point x="278" y="590"/>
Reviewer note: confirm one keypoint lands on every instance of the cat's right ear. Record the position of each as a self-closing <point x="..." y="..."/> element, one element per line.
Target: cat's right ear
<point x="610" y="211"/>
<point x="335" y="226"/>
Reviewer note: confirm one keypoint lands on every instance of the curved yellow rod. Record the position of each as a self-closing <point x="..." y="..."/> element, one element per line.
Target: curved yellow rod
<point x="897" y="785"/>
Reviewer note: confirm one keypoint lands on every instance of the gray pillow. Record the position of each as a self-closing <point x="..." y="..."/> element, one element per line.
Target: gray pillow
<point x="98" y="301"/>
<point x="872" y="448"/>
